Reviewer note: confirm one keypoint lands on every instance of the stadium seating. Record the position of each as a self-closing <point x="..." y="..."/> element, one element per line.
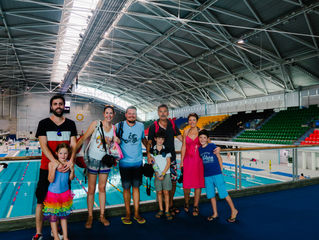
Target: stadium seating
<point x="312" y="139"/>
<point x="284" y="128"/>
<point x="236" y="123"/>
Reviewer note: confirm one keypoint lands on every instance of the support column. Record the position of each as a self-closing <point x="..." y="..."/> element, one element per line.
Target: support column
<point x="236" y="170"/>
<point x="313" y="161"/>
<point x="304" y="160"/>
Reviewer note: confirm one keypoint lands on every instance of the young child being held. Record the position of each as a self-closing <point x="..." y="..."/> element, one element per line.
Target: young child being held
<point x="162" y="180"/>
<point x="59" y="199"/>
<point x="213" y="165"/>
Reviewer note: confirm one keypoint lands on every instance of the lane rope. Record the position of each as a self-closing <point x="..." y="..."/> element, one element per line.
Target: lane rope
<point x="17" y="191"/>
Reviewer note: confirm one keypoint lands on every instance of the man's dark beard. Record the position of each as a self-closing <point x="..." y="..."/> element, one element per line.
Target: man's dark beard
<point x="131" y="121"/>
<point x="58" y="114"/>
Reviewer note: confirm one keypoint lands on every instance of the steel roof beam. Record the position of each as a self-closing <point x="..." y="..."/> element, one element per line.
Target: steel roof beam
<point x="168" y="33"/>
<point x="12" y="42"/>
<point x="99" y="22"/>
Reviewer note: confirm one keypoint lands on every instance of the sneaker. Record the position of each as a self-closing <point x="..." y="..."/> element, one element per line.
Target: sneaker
<point x="37" y="237"/>
<point x="60" y="233"/>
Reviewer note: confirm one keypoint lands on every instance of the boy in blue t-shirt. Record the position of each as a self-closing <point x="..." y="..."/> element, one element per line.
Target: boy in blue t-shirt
<point x="213" y="165"/>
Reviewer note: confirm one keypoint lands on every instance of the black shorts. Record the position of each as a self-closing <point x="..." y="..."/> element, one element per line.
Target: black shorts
<point x="42" y="187"/>
<point x="131" y="176"/>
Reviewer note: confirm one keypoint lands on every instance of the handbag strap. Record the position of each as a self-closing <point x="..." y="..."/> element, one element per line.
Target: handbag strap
<point x="102" y="136"/>
<point x="114" y="133"/>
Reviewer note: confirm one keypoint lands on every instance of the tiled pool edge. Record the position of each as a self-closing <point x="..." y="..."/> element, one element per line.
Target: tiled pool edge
<point x="26" y="222"/>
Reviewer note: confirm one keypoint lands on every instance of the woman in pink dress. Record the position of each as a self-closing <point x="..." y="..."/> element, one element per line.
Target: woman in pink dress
<point x="192" y="164"/>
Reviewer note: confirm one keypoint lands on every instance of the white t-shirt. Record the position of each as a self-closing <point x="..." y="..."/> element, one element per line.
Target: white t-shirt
<point x="161" y="158"/>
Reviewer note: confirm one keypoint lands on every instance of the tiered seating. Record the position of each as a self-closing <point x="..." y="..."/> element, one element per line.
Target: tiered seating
<point x="181" y="122"/>
<point x="284" y="128"/>
<point x="207" y="121"/>
<point x="235" y="123"/>
<point x="312" y="139"/>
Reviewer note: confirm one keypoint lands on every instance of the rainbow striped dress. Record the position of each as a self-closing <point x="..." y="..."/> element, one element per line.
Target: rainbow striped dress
<point x="59" y="199"/>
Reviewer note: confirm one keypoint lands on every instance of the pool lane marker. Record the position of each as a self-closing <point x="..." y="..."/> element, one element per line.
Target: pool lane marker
<point x="17" y="192"/>
<point x="95" y="204"/>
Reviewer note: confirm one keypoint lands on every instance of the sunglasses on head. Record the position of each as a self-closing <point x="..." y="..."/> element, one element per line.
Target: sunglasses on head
<point x="59" y="133"/>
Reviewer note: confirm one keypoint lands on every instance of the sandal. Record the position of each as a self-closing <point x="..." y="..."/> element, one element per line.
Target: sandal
<point x="159" y="214"/>
<point x="126" y="220"/>
<point x="104" y="221"/>
<point x="195" y="211"/>
<point x="168" y="216"/>
<point x="139" y="220"/>
<point x="211" y="218"/>
<point x="89" y="221"/>
<point x="232" y="220"/>
<point x="174" y="210"/>
<point x="186" y="207"/>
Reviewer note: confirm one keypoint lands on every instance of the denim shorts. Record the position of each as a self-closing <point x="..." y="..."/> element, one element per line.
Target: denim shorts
<point x="95" y="167"/>
<point x="131" y="176"/>
<point x="216" y="181"/>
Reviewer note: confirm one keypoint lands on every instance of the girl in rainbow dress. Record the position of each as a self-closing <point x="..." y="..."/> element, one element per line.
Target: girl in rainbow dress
<point x="59" y="199"/>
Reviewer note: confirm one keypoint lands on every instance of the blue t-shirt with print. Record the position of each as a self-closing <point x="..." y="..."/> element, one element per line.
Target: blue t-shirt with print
<point x="210" y="160"/>
<point x="131" y="144"/>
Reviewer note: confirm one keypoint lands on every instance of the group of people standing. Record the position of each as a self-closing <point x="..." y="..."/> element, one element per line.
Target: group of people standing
<point x="57" y="137"/>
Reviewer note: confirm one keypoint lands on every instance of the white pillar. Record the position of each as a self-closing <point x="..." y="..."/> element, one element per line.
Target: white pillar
<point x="303" y="160"/>
<point x="313" y="160"/>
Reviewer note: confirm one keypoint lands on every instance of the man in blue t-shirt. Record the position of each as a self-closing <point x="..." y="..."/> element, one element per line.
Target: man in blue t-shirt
<point x="213" y="165"/>
<point x="131" y="134"/>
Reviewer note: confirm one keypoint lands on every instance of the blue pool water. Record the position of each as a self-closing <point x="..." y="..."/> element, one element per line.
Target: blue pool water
<point x="18" y="184"/>
<point x="30" y="152"/>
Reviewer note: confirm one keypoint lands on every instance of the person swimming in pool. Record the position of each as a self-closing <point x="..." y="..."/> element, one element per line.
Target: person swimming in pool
<point x="3" y="166"/>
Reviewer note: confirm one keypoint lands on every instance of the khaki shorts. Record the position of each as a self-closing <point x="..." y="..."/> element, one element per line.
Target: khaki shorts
<point x="165" y="184"/>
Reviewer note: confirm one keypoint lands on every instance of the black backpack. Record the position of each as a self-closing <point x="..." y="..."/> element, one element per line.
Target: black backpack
<point x="148" y="172"/>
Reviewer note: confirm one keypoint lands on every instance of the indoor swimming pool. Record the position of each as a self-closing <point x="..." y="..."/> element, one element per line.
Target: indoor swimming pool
<point x="18" y="183"/>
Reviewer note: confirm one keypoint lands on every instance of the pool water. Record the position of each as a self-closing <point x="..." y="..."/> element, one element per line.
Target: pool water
<point x="18" y="184"/>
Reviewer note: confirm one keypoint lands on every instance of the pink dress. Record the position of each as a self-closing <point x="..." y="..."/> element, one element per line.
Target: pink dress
<point x="193" y="175"/>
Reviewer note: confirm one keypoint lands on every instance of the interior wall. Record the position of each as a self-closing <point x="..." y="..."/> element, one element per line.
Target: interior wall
<point x="8" y="111"/>
<point x="34" y="107"/>
<point x="279" y="101"/>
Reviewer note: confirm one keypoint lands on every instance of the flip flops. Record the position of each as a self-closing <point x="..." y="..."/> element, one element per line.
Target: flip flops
<point x="232" y="220"/>
<point x="211" y="218"/>
<point x="139" y="220"/>
<point x="126" y="220"/>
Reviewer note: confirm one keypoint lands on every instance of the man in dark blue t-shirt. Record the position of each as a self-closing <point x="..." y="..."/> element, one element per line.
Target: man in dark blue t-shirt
<point x="213" y="165"/>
